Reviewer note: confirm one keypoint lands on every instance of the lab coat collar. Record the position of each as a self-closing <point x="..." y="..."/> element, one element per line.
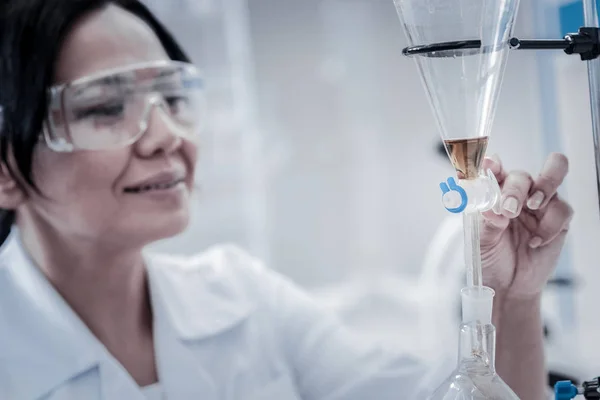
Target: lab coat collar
<point x="199" y="294"/>
<point x="40" y="332"/>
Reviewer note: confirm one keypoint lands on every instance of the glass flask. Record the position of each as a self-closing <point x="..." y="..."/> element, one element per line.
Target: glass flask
<point x="475" y="376"/>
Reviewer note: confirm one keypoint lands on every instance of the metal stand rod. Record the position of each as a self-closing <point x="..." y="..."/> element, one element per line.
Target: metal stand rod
<point x="591" y="19"/>
<point x="539" y="44"/>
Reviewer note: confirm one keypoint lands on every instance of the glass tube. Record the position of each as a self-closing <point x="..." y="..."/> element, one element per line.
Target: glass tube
<point x="471" y="221"/>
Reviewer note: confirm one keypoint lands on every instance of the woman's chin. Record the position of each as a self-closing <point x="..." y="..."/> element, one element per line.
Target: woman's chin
<point x="154" y="229"/>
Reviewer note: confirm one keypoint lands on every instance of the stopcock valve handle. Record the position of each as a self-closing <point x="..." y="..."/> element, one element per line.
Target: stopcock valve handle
<point x="454" y="197"/>
<point x="480" y="194"/>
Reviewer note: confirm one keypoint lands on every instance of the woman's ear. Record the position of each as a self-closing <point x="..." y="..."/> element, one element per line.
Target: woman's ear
<point x="11" y="193"/>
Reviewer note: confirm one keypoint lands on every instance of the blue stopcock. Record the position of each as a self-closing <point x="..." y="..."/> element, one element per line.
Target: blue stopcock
<point x="565" y="390"/>
<point x="454" y="195"/>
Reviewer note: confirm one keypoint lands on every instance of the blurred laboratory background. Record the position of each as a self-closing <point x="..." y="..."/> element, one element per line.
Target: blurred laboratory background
<point x="321" y="157"/>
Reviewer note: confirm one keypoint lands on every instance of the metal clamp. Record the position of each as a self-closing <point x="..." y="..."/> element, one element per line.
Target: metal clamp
<point x="586" y="43"/>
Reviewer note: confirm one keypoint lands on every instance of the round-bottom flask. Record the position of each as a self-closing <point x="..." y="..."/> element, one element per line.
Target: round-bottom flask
<point x="475" y="376"/>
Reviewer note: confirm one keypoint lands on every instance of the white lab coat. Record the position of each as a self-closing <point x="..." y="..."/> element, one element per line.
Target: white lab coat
<point x="226" y="328"/>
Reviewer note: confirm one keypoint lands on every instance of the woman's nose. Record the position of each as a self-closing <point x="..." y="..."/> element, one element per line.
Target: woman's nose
<point x="160" y="133"/>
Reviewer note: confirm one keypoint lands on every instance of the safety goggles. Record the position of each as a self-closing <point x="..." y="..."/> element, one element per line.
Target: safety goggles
<point x="112" y="109"/>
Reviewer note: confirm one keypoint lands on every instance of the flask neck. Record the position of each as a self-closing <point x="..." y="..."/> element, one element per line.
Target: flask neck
<point x="477" y="348"/>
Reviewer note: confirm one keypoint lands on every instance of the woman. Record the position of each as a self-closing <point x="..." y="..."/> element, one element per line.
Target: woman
<point x="97" y="162"/>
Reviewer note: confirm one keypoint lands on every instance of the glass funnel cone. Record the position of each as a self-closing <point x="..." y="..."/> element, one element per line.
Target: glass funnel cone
<point x="461" y="66"/>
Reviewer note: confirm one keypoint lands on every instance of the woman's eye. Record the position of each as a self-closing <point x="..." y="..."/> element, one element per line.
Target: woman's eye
<point x="177" y="104"/>
<point x="101" y="111"/>
<point x="175" y="101"/>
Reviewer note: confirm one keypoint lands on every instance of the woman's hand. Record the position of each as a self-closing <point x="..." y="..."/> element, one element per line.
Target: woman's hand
<point x="520" y="248"/>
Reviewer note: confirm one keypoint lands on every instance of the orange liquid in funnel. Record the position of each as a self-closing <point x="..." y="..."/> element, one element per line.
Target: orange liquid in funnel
<point x="467" y="155"/>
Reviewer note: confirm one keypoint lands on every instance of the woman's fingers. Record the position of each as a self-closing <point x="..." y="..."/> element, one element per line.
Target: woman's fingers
<point x="515" y="192"/>
<point x="550" y="178"/>
<point x="554" y="220"/>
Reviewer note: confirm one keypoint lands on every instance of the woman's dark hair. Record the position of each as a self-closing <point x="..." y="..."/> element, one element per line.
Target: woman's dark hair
<point x="31" y="35"/>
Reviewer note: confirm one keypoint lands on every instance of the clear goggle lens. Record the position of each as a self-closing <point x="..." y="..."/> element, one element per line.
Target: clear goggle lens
<point x="113" y="109"/>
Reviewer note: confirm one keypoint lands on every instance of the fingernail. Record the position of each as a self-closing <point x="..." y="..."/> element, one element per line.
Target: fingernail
<point x="511" y="204"/>
<point x="496" y="158"/>
<point x="536" y="200"/>
<point x="535" y="242"/>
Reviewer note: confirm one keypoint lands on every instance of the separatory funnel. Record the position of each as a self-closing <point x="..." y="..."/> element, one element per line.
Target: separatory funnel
<point x="460" y="48"/>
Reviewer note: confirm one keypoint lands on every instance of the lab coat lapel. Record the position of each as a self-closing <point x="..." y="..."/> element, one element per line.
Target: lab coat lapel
<point x="116" y="383"/>
<point x="52" y="354"/>
<point x="41" y="337"/>
<point x="192" y="303"/>
<point x="181" y="374"/>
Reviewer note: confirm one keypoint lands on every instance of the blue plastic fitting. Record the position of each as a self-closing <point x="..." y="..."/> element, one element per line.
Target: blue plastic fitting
<point x="565" y="390"/>
<point x="453" y="186"/>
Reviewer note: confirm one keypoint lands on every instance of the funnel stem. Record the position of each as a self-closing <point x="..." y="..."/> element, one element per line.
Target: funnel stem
<point x="472" y="248"/>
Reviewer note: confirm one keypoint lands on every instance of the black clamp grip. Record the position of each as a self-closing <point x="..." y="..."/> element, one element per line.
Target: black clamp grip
<point x="586" y="43"/>
<point x="590" y="389"/>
